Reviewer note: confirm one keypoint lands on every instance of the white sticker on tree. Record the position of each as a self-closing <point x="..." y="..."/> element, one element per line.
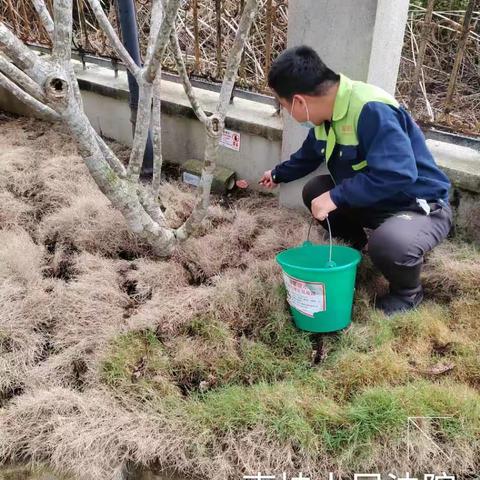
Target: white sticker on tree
<point x="307" y="297"/>
<point x="230" y="139"/>
<point x="191" y="179"/>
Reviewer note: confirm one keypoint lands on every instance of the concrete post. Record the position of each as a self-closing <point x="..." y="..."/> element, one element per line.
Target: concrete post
<point x="361" y="38"/>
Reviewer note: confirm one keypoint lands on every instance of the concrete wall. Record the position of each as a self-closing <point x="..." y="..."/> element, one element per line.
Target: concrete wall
<point x="462" y="164"/>
<point x="183" y="135"/>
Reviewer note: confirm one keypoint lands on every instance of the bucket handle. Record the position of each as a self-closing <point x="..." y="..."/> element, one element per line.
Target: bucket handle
<point x="329" y="236"/>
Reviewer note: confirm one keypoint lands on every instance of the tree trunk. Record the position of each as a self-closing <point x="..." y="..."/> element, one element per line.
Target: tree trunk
<point x="50" y="87"/>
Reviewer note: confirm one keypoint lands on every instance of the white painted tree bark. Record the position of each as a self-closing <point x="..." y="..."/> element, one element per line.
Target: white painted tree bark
<point x="50" y="87"/>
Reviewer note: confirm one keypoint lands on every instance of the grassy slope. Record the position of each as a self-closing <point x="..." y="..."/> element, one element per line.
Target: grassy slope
<point x="108" y="355"/>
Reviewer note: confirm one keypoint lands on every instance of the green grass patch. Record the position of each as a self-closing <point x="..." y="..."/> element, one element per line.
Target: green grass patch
<point x="275" y="407"/>
<point x="137" y="363"/>
<point x="357" y="399"/>
<point x="208" y="329"/>
<point x="305" y="414"/>
<point x="261" y="364"/>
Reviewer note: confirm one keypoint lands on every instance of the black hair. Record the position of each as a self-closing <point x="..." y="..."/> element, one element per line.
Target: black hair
<point x="300" y="70"/>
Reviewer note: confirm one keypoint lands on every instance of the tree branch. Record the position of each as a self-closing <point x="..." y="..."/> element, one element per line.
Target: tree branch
<point x="160" y="45"/>
<point x="214" y="129"/>
<point x="42" y="110"/>
<point x="187" y="86"/>
<point x="21" y="79"/>
<point x="113" y="38"/>
<point x="45" y="17"/>
<point x="151" y="206"/>
<point x="157" y="137"/>
<point x="76" y="88"/>
<point x="235" y="56"/>
<point x="55" y="79"/>
<point x="155" y="22"/>
<point x="145" y="102"/>
<point x="49" y="26"/>
<point x="215" y="123"/>
<point x="144" y="115"/>
<point x="156" y="19"/>
<point x="22" y="56"/>
<point x="62" y="33"/>
<point x="122" y="193"/>
<point x="109" y="156"/>
<point x="137" y="203"/>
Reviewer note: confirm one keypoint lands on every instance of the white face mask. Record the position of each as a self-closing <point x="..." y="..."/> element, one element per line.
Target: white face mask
<point x="308" y="123"/>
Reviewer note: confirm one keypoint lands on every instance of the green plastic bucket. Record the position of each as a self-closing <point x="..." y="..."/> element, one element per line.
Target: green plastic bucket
<point x="320" y="294"/>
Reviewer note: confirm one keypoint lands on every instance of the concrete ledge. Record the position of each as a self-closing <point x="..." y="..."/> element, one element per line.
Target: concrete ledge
<point x="106" y="105"/>
<point x="461" y="164"/>
<point x="247" y="116"/>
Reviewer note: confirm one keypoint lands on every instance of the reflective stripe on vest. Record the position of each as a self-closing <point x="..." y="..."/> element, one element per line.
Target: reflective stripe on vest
<point x="349" y="102"/>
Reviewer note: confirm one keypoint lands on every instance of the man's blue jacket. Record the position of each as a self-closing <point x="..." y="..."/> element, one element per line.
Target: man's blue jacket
<point x="375" y="152"/>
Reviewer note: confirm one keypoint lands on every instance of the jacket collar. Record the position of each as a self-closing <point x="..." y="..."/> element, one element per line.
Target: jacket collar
<point x="342" y="100"/>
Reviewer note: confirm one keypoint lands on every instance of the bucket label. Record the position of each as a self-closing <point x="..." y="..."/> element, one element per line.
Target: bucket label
<point x="306" y="297"/>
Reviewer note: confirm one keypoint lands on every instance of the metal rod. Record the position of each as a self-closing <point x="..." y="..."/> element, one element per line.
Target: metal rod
<point x="196" y="36"/>
<point x="25" y="18"/>
<point x="268" y="41"/>
<point x="242" y="69"/>
<point x="83" y="24"/>
<point x="218" y="13"/>
<point x="330" y="239"/>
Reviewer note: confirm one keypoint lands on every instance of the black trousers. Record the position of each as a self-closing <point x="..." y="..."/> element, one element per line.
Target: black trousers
<point x="399" y="240"/>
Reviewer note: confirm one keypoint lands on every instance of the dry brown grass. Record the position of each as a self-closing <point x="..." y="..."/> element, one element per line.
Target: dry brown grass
<point x="108" y="355"/>
<point x="41" y="190"/>
<point x="245" y="300"/>
<point x="466" y="316"/>
<point x="26" y="315"/>
<point x="14" y="212"/>
<point x="468" y="217"/>
<point x="167" y="313"/>
<point x="92" y="435"/>
<point x="452" y="270"/>
<point x="223" y="248"/>
<point x="90" y="224"/>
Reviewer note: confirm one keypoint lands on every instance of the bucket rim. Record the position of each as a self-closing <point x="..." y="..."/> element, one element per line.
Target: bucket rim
<point x="353" y="263"/>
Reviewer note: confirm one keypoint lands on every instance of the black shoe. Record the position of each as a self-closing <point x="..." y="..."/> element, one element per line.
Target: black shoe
<point x="393" y="303"/>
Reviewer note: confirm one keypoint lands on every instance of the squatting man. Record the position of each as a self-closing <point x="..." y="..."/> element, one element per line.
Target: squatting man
<point x="381" y="174"/>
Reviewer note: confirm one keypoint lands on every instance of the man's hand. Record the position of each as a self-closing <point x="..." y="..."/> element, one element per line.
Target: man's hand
<point x="322" y="206"/>
<point x="266" y="180"/>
